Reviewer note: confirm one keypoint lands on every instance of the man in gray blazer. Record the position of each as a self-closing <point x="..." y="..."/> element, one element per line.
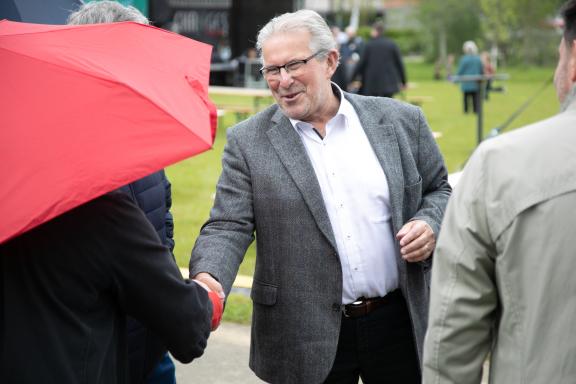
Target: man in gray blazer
<point x="345" y="195"/>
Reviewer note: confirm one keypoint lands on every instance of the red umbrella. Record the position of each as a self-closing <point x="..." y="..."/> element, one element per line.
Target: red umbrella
<point x="86" y="109"/>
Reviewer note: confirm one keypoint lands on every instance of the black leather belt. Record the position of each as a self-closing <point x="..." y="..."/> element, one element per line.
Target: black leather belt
<point x="364" y="306"/>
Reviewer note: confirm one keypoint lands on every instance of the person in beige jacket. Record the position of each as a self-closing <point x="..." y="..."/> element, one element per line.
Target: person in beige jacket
<point x="503" y="280"/>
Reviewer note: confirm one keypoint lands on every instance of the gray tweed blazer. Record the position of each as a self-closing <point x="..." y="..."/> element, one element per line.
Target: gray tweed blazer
<point x="268" y="190"/>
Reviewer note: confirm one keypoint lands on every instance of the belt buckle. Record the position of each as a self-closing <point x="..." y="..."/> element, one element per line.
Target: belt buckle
<point x="356" y="303"/>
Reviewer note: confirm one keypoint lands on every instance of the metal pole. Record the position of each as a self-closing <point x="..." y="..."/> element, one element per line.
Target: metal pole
<point x="481" y="79"/>
<point x="480" y="106"/>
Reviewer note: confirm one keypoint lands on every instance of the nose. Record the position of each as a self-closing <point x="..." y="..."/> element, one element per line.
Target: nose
<point x="285" y="77"/>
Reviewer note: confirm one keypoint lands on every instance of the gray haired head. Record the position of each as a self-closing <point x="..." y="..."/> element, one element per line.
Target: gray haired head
<point x="321" y="38"/>
<point x="98" y="12"/>
<point x="470" y="48"/>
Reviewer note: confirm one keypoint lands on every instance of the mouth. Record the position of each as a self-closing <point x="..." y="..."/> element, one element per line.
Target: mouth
<point x="289" y="97"/>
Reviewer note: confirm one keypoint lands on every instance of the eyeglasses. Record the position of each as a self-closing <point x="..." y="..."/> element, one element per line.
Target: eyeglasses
<point x="273" y="71"/>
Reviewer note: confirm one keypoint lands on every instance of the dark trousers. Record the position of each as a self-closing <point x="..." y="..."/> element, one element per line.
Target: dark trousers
<point x="378" y="347"/>
<point x="471" y="98"/>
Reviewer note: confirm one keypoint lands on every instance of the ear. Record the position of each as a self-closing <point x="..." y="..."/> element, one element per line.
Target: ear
<point x="572" y="62"/>
<point x="332" y="60"/>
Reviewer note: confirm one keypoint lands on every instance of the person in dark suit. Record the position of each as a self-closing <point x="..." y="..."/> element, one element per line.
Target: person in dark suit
<point x="380" y="68"/>
<point x="67" y="286"/>
<point x="344" y="195"/>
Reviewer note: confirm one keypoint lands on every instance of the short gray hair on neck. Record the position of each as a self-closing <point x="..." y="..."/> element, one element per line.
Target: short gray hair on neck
<point x="321" y="38"/>
<point x="106" y="11"/>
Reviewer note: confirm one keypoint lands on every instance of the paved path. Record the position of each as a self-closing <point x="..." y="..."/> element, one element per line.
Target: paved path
<point x="225" y="360"/>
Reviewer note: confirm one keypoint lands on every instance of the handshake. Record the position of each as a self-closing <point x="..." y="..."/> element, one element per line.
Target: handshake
<point x="215" y="294"/>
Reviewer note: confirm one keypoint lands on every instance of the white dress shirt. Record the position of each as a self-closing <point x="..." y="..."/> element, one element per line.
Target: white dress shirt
<point x="357" y="198"/>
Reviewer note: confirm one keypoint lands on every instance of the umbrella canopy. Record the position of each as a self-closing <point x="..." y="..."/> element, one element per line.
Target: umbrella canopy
<point x="86" y="109"/>
<point x="38" y="11"/>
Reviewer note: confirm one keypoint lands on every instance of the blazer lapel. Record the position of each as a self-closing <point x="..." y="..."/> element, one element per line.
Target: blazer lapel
<point x="292" y="153"/>
<point x="380" y="132"/>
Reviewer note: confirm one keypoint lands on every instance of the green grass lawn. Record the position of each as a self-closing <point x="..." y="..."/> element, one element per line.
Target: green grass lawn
<point x="459" y="131"/>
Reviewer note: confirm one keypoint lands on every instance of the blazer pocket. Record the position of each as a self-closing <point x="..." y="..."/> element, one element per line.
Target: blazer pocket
<point x="412" y="198"/>
<point x="263" y="293"/>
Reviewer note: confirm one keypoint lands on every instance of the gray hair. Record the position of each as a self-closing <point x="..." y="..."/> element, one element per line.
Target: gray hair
<point x="470" y="48"/>
<point x="106" y="11"/>
<point x="321" y="38"/>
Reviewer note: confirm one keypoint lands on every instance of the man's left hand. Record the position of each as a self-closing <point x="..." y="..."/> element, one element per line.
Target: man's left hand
<point x="417" y="241"/>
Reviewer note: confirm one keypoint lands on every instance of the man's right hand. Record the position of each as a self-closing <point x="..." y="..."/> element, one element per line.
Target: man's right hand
<point x="211" y="283"/>
<point x="215" y="294"/>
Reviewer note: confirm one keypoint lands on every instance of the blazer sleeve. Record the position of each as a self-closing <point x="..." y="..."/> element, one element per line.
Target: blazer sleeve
<point x="435" y="187"/>
<point x="464" y="295"/>
<point x="225" y="237"/>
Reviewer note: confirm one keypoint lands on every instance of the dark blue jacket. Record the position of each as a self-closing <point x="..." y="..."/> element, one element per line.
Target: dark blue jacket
<point x="153" y="195"/>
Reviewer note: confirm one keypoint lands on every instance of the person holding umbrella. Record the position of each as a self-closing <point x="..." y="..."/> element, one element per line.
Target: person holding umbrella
<point x="148" y="359"/>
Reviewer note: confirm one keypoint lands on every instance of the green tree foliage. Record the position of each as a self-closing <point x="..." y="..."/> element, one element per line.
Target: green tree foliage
<point x="499" y="20"/>
<point x="518" y="27"/>
<point x="448" y="23"/>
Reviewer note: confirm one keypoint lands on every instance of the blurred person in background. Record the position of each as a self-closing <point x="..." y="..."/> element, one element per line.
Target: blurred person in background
<point x="350" y="51"/>
<point x="380" y="69"/>
<point x="489" y="70"/>
<point x="340" y="76"/>
<point x="470" y="64"/>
